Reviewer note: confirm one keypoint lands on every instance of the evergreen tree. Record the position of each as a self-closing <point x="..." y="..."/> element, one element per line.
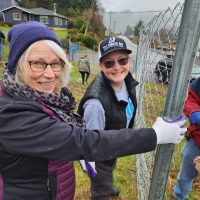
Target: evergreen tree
<point x="129" y="31"/>
<point x="138" y="27"/>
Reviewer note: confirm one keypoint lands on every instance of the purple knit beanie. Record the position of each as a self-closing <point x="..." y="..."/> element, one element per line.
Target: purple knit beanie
<point x="22" y="35"/>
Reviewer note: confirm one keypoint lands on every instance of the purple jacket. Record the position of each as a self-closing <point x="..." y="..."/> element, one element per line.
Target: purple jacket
<point x="61" y="180"/>
<point x="61" y="175"/>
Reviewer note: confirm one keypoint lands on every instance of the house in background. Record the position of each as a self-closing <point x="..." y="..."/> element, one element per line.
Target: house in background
<point x="17" y="14"/>
<point x="6" y="4"/>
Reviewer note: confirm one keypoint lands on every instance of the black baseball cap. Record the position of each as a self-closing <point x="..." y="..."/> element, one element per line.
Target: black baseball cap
<point x="112" y="44"/>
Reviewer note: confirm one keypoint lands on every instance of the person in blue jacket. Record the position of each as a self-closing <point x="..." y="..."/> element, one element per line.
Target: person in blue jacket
<point x="40" y="132"/>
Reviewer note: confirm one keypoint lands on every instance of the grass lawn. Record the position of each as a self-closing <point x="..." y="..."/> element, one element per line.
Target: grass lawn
<point x="124" y="175"/>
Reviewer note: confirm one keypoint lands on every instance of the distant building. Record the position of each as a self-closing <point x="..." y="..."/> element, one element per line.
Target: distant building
<point x="17" y="14"/>
<point x="6" y="4"/>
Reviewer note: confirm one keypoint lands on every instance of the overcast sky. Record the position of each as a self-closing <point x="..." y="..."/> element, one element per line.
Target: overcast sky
<point x="138" y="5"/>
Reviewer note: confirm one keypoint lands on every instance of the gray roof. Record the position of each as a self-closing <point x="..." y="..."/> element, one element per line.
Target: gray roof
<point x="37" y="11"/>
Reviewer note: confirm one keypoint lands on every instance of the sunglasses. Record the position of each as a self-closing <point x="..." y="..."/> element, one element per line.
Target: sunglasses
<point x="111" y="63"/>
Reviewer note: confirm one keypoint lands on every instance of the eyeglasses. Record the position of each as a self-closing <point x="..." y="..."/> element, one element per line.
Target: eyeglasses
<point x="37" y="66"/>
<point x="111" y="63"/>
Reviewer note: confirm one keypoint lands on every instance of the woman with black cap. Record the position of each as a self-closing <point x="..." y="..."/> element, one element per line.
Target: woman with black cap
<point x="38" y="123"/>
<point x="109" y="103"/>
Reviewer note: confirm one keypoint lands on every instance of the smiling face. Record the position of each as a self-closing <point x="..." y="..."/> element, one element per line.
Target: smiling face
<point x="118" y="72"/>
<point x="46" y="81"/>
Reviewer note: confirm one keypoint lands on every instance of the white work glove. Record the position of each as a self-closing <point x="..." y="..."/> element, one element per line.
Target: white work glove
<point x="170" y="132"/>
<point x="88" y="167"/>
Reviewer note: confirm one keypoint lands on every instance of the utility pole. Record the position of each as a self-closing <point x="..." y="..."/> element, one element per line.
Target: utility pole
<point x="109" y="28"/>
<point x="93" y="19"/>
<point x="54" y="8"/>
<point x="114" y="25"/>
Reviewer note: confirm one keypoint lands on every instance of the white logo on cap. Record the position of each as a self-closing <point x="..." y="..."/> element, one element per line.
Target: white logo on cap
<point x="112" y="44"/>
<point x="111" y="40"/>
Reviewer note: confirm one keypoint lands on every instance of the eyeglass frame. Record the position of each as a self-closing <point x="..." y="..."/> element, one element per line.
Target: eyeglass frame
<point x="62" y="64"/>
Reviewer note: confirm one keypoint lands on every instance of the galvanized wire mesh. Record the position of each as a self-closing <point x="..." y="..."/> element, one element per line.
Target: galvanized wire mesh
<point x="153" y="88"/>
<point x="154" y="61"/>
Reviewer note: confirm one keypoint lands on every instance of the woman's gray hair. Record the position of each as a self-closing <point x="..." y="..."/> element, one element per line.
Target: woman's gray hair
<point x="57" y="50"/>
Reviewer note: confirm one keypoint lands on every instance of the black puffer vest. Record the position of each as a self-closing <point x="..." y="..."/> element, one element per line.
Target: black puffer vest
<point x="115" y="110"/>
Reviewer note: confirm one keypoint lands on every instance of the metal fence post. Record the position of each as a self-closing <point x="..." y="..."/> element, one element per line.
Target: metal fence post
<point x="188" y="38"/>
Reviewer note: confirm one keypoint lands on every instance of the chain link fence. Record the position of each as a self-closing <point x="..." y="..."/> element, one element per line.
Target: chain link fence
<point x="154" y="63"/>
<point x="153" y="68"/>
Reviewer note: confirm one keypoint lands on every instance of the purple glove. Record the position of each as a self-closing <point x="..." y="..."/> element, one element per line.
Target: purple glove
<point x="88" y="167"/>
<point x="195" y="118"/>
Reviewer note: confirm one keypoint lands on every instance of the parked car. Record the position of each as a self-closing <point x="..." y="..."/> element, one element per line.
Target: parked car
<point x="166" y="48"/>
<point x="164" y="67"/>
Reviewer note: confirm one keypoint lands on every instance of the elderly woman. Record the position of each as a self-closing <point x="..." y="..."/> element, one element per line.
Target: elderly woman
<point x="38" y="124"/>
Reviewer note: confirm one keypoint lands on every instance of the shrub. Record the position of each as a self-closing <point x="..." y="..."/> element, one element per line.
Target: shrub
<point x="72" y="32"/>
<point x="70" y="24"/>
<point x="80" y="24"/>
<point x="87" y="40"/>
<point x="2" y="23"/>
